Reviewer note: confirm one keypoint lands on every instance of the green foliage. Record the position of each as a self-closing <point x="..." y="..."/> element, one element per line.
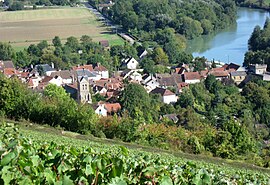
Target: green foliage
<point x="56" y="108"/>
<point x="190" y="19"/>
<point x="258" y="45"/>
<point x="135" y="100"/>
<point x="36" y="159"/>
<point x="6" y="51"/>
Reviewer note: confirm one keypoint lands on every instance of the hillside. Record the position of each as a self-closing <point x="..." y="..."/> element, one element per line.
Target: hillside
<point x="45" y="156"/>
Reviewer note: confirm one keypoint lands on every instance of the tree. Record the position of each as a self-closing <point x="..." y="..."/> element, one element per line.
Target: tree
<point x="34" y="50"/>
<point x="42" y="45"/>
<point x="254" y="40"/>
<point x="55" y="92"/>
<point x="40" y="71"/>
<point x="16" y="6"/>
<point x="160" y="57"/>
<point x="191" y="28"/>
<point x="22" y="58"/>
<point x="134" y="98"/>
<point x="200" y="63"/>
<point x="148" y="65"/>
<point x="57" y="41"/>
<point x="6" y="51"/>
<point x="186" y="99"/>
<point x="209" y="82"/>
<point x="85" y="40"/>
<point x="73" y="43"/>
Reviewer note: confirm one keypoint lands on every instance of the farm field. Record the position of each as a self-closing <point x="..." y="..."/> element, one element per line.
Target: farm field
<point x="22" y="28"/>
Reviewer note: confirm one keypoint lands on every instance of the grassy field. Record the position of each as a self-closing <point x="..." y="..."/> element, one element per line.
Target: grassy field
<point x="74" y="139"/>
<point x="22" y="28"/>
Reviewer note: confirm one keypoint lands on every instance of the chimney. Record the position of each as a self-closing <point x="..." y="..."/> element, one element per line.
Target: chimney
<point x="52" y="65"/>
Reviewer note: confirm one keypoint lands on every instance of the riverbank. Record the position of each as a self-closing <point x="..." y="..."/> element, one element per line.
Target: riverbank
<point x="254" y="4"/>
<point x="230" y="44"/>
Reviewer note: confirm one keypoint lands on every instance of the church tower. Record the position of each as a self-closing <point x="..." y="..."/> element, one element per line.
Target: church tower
<point x="83" y="94"/>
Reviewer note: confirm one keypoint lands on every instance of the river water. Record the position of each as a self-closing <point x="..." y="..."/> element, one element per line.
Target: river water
<point x="230" y="44"/>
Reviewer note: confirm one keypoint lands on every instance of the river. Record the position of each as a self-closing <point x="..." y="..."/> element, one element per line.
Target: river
<point x="231" y="44"/>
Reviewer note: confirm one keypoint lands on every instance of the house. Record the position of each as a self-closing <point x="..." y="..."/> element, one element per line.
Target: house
<point x="57" y="80"/>
<point x="180" y="70"/>
<point x="220" y="75"/>
<point x="100" y="109"/>
<point x="112" y="93"/>
<point x="88" y="67"/>
<point x="192" y="77"/>
<point x="72" y="89"/>
<point x="104" y="43"/>
<point x="110" y="83"/>
<point x="232" y="67"/>
<point x="133" y="75"/>
<point x="43" y="83"/>
<point x="169" y="80"/>
<point x="172" y="117"/>
<point x="204" y="73"/>
<point x="6" y="64"/>
<point x="167" y="96"/>
<point x="9" y="72"/>
<point x="97" y="70"/>
<point x="112" y="108"/>
<point x="100" y="90"/>
<point x="149" y="82"/>
<point x="104" y="108"/>
<point x="33" y="82"/>
<point x="143" y="54"/>
<point x="130" y="63"/>
<point x="102" y="71"/>
<point x="258" y="68"/>
<point x="181" y="86"/>
<point x="91" y="75"/>
<point x="7" y="68"/>
<point x="266" y="77"/>
<point x="238" y="76"/>
<point x="67" y="76"/>
<point x="45" y="68"/>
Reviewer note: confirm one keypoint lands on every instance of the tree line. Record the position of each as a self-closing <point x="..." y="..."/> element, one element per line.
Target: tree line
<point x="259" y="46"/>
<point x="189" y="18"/>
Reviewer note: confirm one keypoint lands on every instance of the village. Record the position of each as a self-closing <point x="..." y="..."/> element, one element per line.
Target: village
<point x="83" y="82"/>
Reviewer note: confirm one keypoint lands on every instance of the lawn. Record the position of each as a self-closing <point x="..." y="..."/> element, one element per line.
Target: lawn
<point x="22" y="28"/>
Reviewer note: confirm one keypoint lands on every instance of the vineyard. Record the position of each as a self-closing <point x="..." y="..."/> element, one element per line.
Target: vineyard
<point x="28" y="158"/>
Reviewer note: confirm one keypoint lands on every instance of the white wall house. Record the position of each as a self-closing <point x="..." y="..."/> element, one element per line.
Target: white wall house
<point x="57" y="80"/>
<point x="192" y="77"/>
<point x="131" y="63"/>
<point x="170" y="98"/>
<point x="101" y="110"/>
<point x="167" y="96"/>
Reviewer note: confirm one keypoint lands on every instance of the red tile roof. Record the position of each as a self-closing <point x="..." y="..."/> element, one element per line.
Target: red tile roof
<point x="219" y="68"/>
<point x="112" y="107"/>
<point x="219" y="73"/>
<point x="88" y="67"/>
<point x="30" y="82"/>
<point x="46" y="79"/>
<point x="182" y="84"/>
<point x="9" y="71"/>
<point x="100" y="68"/>
<point x="192" y="76"/>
